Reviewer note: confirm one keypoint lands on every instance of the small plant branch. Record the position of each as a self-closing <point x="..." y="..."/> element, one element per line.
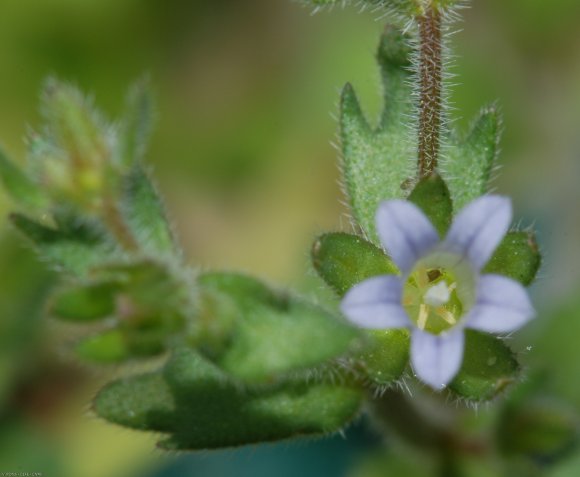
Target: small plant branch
<point x="431" y="87"/>
<point x="116" y="223"/>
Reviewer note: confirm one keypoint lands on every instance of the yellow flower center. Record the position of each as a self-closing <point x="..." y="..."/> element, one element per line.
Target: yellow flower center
<point x="438" y="292"/>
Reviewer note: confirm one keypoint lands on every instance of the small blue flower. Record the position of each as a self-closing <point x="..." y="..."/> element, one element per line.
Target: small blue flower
<point x="441" y="290"/>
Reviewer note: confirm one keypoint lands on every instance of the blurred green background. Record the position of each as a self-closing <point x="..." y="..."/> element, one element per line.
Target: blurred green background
<point x="246" y="92"/>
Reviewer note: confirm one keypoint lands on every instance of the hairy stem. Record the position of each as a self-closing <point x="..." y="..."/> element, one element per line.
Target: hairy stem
<point x="431" y="84"/>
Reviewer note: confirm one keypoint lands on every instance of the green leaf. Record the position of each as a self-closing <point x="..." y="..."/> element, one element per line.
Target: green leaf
<point x="385" y="358"/>
<point x="150" y="306"/>
<point x="432" y="196"/>
<point x="378" y="162"/>
<point x="517" y="257"/>
<point x="108" y="347"/>
<point x="74" y="124"/>
<point x="136" y="125"/>
<point x="470" y="159"/>
<point x="343" y="260"/>
<point x="144" y="212"/>
<point x="489" y="366"/>
<point x="20" y="187"/>
<point x="84" y="303"/>
<point x="271" y="333"/>
<point x="76" y="250"/>
<point x="144" y="402"/>
<point x="193" y="401"/>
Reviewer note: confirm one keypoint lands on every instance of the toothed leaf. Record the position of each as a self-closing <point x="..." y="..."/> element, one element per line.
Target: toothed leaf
<point x="432" y="196"/>
<point x="489" y="366"/>
<point x="470" y="159"/>
<point x="193" y="402"/>
<point x="343" y="260"/>
<point x="377" y="162"/>
<point x="517" y="257"/>
<point x="271" y="333"/>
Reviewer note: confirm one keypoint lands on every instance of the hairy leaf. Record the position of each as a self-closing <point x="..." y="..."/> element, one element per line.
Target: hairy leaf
<point x="193" y="401"/>
<point x="20" y="187"/>
<point x="145" y="213"/>
<point x="469" y="161"/>
<point x="75" y="249"/>
<point x="270" y="333"/>
<point x="343" y="260"/>
<point x="377" y="162"/>
<point x="135" y="126"/>
<point x="74" y="124"/>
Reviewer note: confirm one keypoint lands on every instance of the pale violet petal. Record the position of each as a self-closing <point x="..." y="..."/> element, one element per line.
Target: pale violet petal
<point x="436" y="359"/>
<point x="479" y="228"/>
<point x="502" y="305"/>
<point x="376" y="303"/>
<point x="405" y="232"/>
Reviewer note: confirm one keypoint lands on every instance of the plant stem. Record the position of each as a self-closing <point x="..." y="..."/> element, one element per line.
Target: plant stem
<point x="431" y="84"/>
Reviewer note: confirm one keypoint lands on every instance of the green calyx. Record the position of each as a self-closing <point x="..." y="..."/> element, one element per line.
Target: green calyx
<point x="436" y="295"/>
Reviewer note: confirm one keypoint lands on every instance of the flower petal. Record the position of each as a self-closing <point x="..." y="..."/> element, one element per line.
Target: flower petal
<point x="479" y="228"/>
<point x="502" y="305"/>
<point x="437" y="358"/>
<point x="376" y="303"/>
<point x="405" y="232"/>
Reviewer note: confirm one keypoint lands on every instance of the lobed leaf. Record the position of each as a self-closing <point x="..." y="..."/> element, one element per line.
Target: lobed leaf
<point x="270" y="333"/>
<point x="343" y="260"/>
<point x="470" y="159"/>
<point x="378" y="162"/>
<point x="517" y="257"/>
<point x="193" y="401"/>
<point x="488" y="368"/>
